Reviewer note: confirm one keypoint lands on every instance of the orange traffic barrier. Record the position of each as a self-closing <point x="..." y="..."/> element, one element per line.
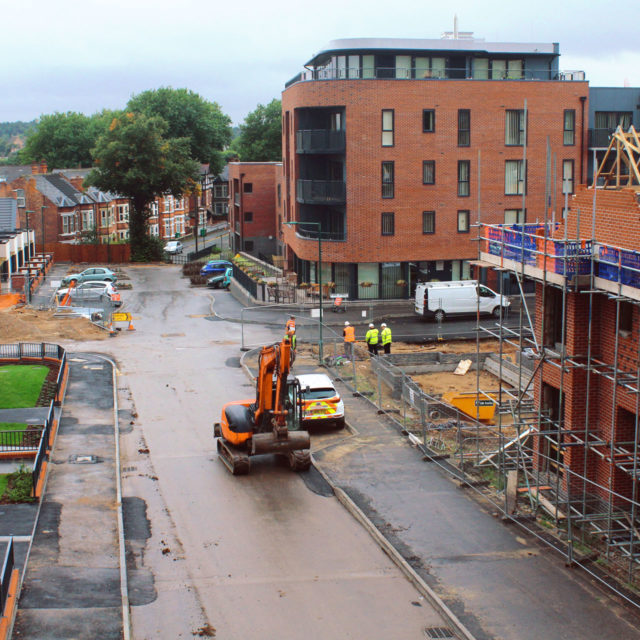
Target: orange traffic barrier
<point x="10" y="605"/>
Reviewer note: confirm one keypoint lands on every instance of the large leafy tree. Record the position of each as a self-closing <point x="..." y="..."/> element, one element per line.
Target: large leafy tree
<point x="135" y="159"/>
<point x="260" y="138"/>
<point x="190" y="116"/>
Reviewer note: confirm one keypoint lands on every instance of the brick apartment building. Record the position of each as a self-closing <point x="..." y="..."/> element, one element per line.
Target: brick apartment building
<point x="397" y="147"/>
<point x="252" y="206"/>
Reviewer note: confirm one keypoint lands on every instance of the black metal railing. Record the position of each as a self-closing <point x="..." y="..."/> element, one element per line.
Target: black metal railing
<point x="600" y="137"/>
<point x="39" y="350"/>
<point x="245" y="281"/>
<point x="313" y="234"/>
<point x="21" y="439"/>
<point x="5" y="576"/>
<point x="320" y="141"/>
<point x="321" y="191"/>
<point x="41" y="457"/>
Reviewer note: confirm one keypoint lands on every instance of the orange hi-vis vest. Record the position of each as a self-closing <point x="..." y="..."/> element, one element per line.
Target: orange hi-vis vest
<point x="349" y="334"/>
<point x="290" y="327"/>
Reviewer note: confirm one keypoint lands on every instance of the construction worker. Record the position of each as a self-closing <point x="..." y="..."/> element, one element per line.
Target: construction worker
<point x="349" y="334"/>
<point x="290" y="331"/>
<point x="385" y="338"/>
<point x="371" y="338"/>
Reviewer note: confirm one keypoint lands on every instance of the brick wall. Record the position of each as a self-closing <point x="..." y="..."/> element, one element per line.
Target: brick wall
<point x="363" y="101"/>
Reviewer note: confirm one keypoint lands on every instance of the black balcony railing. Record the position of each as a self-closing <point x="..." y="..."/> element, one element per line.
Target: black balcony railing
<point x="313" y="234"/>
<point x="600" y="137"/>
<point x="320" y="141"/>
<point x="321" y="191"/>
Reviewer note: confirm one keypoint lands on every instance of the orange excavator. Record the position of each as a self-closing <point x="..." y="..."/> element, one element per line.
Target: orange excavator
<point x="268" y="424"/>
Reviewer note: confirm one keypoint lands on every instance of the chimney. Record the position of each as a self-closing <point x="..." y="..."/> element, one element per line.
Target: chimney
<point x="43" y="167"/>
<point x="35" y="169"/>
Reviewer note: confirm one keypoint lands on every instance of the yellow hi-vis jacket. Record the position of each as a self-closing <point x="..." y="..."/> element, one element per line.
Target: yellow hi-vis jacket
<point x="385" y="336"/>
<point x="371" y="337"/>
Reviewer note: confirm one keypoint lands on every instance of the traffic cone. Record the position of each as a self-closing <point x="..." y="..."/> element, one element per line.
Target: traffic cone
<point x="131" y="327"/>
<point x="112" y="333"/>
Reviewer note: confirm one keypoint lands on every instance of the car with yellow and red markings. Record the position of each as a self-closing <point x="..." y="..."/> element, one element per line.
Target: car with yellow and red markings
<point x="321" y="402"/>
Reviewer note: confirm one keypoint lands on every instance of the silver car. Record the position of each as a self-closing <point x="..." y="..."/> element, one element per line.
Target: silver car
<point x="91" y="291"/>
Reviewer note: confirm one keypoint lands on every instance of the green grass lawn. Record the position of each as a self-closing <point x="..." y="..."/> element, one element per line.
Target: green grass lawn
<point x="13" y="426"/>
<point x="20" y="385"/>
<point x="4" y="481"/>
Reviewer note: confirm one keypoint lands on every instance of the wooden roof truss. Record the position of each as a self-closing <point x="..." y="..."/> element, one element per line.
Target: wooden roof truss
<point x="620" y="165"/>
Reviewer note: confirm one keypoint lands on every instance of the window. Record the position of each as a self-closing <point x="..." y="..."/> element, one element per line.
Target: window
<point x="464" y="127"/>
<point x="248" y="216"/>
<point x="612" y="119"/>
<point x="104" y="217"/>
<point x="428" y="120"/>
<point x="625" y="321"/>
<point x="221" y="191"/>
<point x="429" y="172"/>
<point x="387" y="127"/>
<point x="247" y="187"/>
<point x="515" y="177"/>
<point x="279" y="195"/>
<point x="567" y="176"/>
<point x="21" y="200"/>
<point x="248" y="245"/>
<point x="463" y="221"/>
<point x="388" y="224"/>
<point x="428" y="222"/>
<point x="464" y="169"/>
<point x="514" y="127"/>
<point x="513" y="216"/>
<point x="123" y="212"/>
<point x="387" y="180"/>
<point x="569" y="127"/>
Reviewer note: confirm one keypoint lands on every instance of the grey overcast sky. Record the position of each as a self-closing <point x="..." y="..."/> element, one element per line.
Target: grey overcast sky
<point x="86" y="55"/>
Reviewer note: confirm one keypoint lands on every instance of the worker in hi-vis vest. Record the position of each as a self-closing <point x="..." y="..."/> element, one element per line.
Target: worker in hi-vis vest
<point x="371" y="338"/>
<point x="290" y="331"/>
<point x="385" y="338"/>
<point x="349" y="334"/>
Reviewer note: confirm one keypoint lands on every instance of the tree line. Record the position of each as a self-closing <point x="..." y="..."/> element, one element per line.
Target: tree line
<point x="154" y="146"/>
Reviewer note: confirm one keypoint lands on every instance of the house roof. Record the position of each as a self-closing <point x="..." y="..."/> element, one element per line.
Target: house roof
<point x="62" y="193"/>
<point x="8" y="214"/>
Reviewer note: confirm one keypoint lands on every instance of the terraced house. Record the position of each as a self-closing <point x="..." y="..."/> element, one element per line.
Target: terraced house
<point x="393" y="149"/>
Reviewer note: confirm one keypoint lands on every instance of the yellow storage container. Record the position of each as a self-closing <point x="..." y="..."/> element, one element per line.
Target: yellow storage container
<point x="475" y="405"/>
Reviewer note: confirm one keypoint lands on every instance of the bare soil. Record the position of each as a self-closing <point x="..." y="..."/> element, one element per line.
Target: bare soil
<point x="454" y="346"/>
<point x="23" y="324"/>
<point x="436" y="383"/>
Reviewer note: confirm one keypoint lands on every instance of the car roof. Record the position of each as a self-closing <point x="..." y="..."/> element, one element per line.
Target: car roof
<point x="315" y="381"/>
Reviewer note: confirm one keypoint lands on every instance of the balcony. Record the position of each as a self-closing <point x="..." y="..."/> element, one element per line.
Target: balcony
<point x="600" y="137"/>
<point x="320" y="141"/>
<point x="321" y="191"/>
<point x="312" y="234"/>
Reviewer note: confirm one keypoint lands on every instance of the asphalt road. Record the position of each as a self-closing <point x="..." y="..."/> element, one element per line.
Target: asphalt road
<point x="270" y="555"/>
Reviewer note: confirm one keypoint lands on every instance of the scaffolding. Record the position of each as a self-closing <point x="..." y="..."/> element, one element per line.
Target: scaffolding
<point x="575" y="449"/>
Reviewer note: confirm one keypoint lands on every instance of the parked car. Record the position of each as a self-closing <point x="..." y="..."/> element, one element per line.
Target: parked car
<point x="92" y="291"/>
<point x="215" y="268"/>
<point x="175" y="246"/>
<point x="96" y="273"/>
<point x="321" y="402"/>
<point x="222" y="280"/>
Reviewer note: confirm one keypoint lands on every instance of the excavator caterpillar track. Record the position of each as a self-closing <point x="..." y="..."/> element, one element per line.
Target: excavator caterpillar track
<point x="235" y="460"/>
<point x="299" y="460"/>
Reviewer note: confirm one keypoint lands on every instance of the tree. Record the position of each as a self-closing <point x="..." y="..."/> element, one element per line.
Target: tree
<point x="62" y="140"/>
<point x="134" y="159"/>
<point x="260" y="138"/>
<point x="190" y="116"/>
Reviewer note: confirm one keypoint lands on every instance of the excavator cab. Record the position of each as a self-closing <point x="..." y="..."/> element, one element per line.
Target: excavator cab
<point x="269" y="424"/>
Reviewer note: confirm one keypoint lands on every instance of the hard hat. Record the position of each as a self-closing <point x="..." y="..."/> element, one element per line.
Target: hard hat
<point x="383" y="325"/>
<point x="292" y="317"/>
<point x="346" y="323"/>
<point x="371" y="326"/>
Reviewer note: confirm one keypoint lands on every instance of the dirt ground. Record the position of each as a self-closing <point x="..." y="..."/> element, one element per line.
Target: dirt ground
<point x="455" y="346"/>
<point x="22" y="324"/>
<point x="436" y="383"/>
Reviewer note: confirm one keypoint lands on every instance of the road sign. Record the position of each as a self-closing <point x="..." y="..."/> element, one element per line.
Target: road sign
<point x="121" y="317"/>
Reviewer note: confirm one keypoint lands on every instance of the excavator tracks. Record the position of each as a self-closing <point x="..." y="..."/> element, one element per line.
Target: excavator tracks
<point x="236" y="461"/>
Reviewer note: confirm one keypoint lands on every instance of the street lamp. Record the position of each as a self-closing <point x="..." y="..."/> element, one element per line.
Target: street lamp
<point x="319" y="227"/>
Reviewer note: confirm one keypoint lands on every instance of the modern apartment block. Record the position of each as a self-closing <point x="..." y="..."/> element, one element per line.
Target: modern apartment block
<point x="252" y="206"/>
<point x="394" y="149"/>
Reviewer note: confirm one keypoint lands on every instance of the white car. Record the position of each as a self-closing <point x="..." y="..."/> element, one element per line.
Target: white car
<point x="91" y="291"/>
<point x="175" y="246"/>
<point x="321" y="402"/>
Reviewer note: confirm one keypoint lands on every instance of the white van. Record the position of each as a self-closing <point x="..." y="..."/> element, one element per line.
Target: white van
<point x="440" y="299"/>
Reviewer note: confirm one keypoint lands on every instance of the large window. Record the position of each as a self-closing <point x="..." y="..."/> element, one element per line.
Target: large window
<point x="514" y="129"/>
<point x="429" y="172"/>
<point x="247" y="187"/>
<point x="497" y="69"/>
<point x="513" y="216"/>
<point x="464" y="127"/>
<point x="567" y="176"/>
<point x="388" y="224"/>
<point x="428" y="120"/>
<point x="387" y="180"/>
<point x="463" y="221"/>
<point x="387" y="127"/>
<point x="569" y="127"/>
<point x="515" y="177"/>
<point x="464" y="169"/>
<point x="428" y="222"/>
<point x="612" y="119"/>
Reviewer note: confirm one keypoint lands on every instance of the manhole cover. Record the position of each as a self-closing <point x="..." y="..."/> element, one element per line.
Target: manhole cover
<point x="438" y="632"/>
<point x="80" y="458"/>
